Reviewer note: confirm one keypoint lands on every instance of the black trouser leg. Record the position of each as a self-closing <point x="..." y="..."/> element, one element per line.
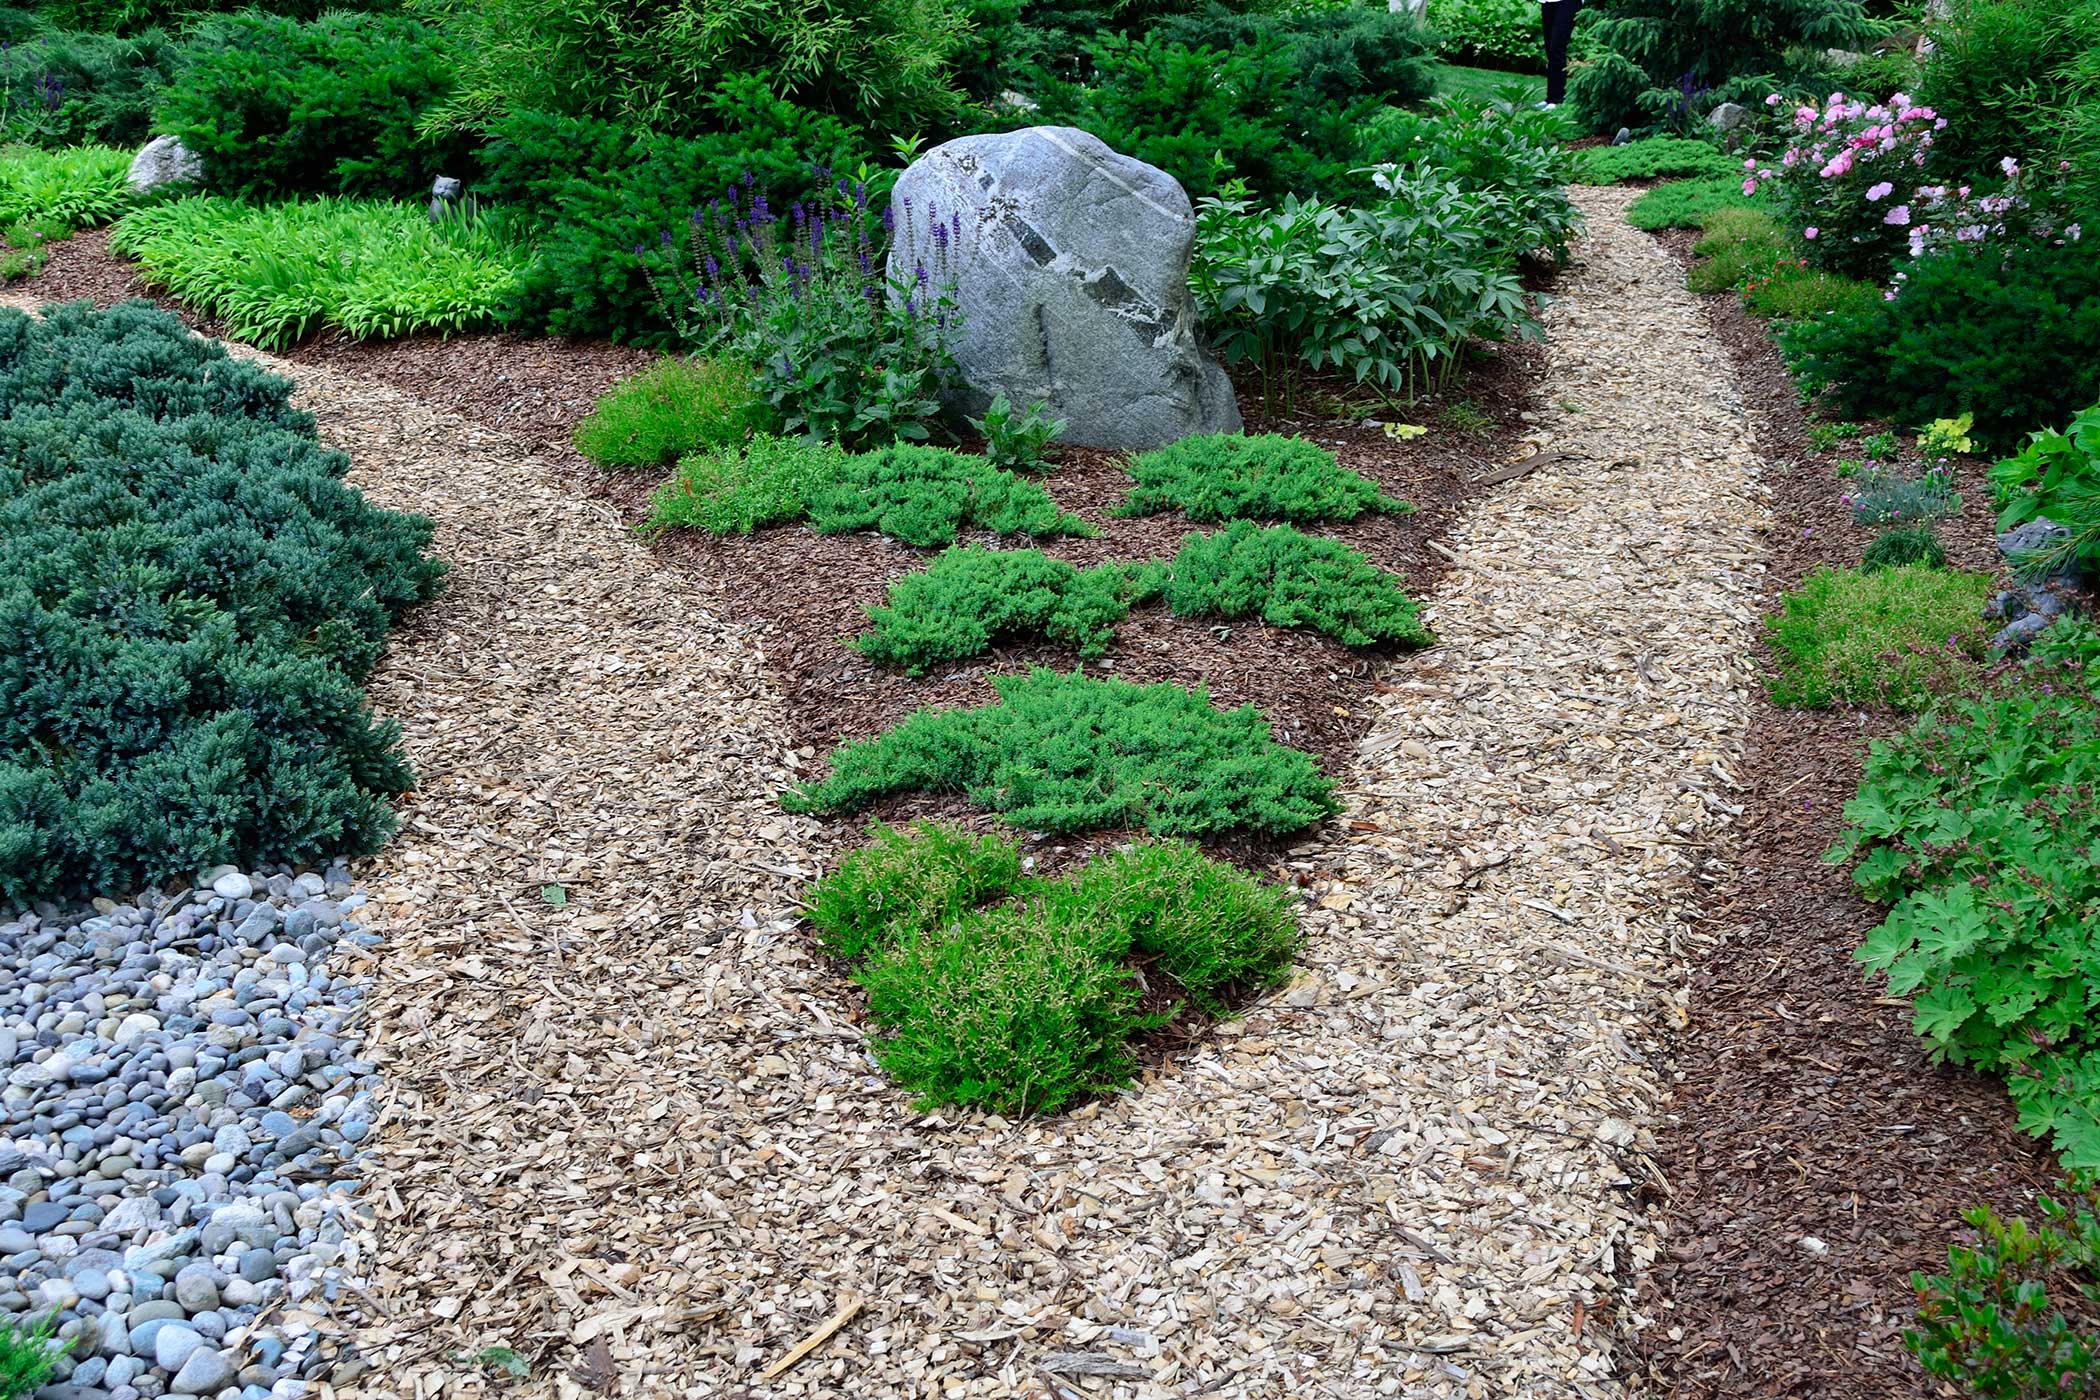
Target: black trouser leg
<point x="1558" y="21"/>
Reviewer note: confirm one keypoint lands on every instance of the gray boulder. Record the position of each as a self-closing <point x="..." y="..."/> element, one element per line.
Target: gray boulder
<point x="1728" y="116"/>
<point x="164" y="161"/>
<point x="1071" y="270"/>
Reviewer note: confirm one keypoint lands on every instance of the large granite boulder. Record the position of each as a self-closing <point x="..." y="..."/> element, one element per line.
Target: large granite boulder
<point x="164" y="161"/>
<point x="1071" y="270"/>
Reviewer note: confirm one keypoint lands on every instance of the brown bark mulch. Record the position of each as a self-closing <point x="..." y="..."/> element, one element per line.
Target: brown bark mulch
<point x="1815" y="1157"/>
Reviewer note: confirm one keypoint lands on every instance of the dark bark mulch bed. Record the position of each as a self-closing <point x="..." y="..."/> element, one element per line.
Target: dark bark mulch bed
<point x="1808" y="1112"/>
<point x="808" y="591"/>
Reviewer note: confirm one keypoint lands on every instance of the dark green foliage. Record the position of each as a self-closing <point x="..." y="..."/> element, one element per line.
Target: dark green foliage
<point x="108" y="86"/>
<point x="28" y="1355"/>
<point x="1977" y="828"/>
<point x="1276" y="100"/>
<point x="911" y="880"/>
<point x="1901" y="548"/>
<point x="733" y="491"/>
<point x="1213" y="929"/>
<point x="275" y="107"/>
<point x="676" y="407"/>
<point x="1666" y="63"/>
<point x="1894" y="637"/>
<point x="2012" y="334"/>
<point x="1988" y="1324"/>
<point x="1070" y="753"/>
<point x="1226" y="476"/>
<point x="969" y="596"/>
<point x="1508" y="157"/>
<point x="1490" y="34"/>
<point x="603" y="196"/>
<point x="1005" y="1012"/>
<point x="1016" y="439"/>
<point x="1685" y="203"/>
<point x="138" y="17"/>
<point x="189" y="596"/>
<point x="1291" y="580"/>
<point x="654" y="64"/>
<point x="925" y="496"/>
<point x="2014" y="78"/>
<point x="1017" y="995"/>
<point x="1656" y="158"/>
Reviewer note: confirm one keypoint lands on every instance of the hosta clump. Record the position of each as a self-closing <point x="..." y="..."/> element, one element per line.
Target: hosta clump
<point x="1223" y="476"/>
<point x="1292" y="580"/>
<point x="189" y="596"/>
<point x="1070" y="753"/>
<point x="1018" y="994"/>
<point x="1893" y="637"/>
<point x="925" y="495"/>
<point x="970" y="596"/>
<point x="1978" y="828"/>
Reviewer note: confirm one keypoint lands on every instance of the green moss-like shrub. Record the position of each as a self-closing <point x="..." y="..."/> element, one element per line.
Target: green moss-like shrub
<point x="1062" y="752"/>
<point x="1794" y="293"/>
<point x="970" y="596"/>
<point x="77" y="188"/>
<point x="1686" y="203"/>
<point x="275" y="274"/>
<point x="1019" y="995"/>
<point x="735" y="490"/>
<point x="107" y="87"/>
<point x="1656" y="158"/>
<point x="675" y="407"/>
<point x="1292" y="580"/>
<point x="1897" y="549"/>
<point x="909" y="880"/>
<point x="1225" y="476"/>
<point x="1213" y="929"/>
<point x="189" y="599"/>
<point x="925" y="496"/>
<point x="1893" y="637"/>
<point x="1735" y="245"/>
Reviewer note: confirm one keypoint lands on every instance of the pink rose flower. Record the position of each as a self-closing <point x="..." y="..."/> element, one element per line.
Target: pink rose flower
<point x="1811" y="233"/>
<point x="1880" y="191"/>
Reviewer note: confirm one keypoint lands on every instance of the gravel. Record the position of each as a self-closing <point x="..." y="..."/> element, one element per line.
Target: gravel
<point x="182" y="1105"/>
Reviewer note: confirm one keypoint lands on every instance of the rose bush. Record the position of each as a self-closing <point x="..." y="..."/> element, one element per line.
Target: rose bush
<point x="1852" y="179"/>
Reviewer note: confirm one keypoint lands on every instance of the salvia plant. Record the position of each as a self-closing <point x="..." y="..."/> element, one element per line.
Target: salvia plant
<point x="843" y="352"/>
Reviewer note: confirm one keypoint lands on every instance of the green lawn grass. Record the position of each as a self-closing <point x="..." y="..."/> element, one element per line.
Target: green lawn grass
<point x="1481" y="84"/>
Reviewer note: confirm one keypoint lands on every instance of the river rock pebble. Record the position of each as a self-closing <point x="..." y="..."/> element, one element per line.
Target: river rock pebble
<point x="181" y="1098"/>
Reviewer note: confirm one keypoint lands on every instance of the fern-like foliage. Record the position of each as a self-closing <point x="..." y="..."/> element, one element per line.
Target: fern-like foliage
<point x="925" y="495"/>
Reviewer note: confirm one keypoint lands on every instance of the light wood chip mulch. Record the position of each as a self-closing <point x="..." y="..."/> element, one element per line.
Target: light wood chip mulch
<point x="637" y="1139"/>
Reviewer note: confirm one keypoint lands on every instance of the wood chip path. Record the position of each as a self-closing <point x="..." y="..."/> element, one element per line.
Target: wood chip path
<point x="636" y="1138"/>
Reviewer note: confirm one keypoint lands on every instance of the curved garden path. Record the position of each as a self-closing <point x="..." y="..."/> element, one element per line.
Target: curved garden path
<point x="635" y="1138"/>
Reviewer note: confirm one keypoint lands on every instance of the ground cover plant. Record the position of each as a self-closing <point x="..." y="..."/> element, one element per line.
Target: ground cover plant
<point x="1017" y="994"/>
<point x="1656" y="158"/>
<point x="1686" y="203"/>
<point x="1892" y="638"/>
<point x="1976" y="829"/>
<point x="46" y="196"/>
<point x="1060" y="752"/>
<point x="1214" y="477"/>
<point x="969" y="597"/>
<point x="676" y="407"/>
<point x="28" y="1355"/>
<point x="2055" y="476"/>
<point x="924" y="496"/>
<point x="190" y="597"/>
<point x="276" y="273"/>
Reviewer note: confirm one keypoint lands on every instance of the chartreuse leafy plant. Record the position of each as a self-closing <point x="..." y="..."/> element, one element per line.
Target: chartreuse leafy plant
<point x="1214" y="477"/>
<point x="189" y="599"/>
<point x="1656" y="158"/>
<point x="968" y="597"/>
<point x="676" y="407"/>
<point x="1016" y="994"/>
<point x="1893" y="637"/>
<point x="1063" y="752"/>
<point x="1988" y="1323"/>
<point x="276" y="273"/>
<point x="1977" y="829"/>
<point x="46" y="195"/>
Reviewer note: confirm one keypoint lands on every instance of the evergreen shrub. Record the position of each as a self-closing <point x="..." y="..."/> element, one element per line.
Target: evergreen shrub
<point x="676" y="407"/>
<point x="909" y="880"/>
<point x="189" y="599"/>
<point x="75" y="89"/>
<point x="735" y="490"/>
<point x="1656" y="158"/>
<point x="1686" y="203"/>
<point x="1063" y="752"/>
<point x="1213" y="477"/>
<point x="925" y="496"/>
<point x="1292" y="580"/>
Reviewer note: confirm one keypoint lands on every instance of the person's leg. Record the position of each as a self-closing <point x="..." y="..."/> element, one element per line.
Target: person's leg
<point x="1559" y="22"/>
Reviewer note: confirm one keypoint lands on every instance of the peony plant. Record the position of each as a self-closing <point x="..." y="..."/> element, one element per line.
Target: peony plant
<point x="1852" y="179"/>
